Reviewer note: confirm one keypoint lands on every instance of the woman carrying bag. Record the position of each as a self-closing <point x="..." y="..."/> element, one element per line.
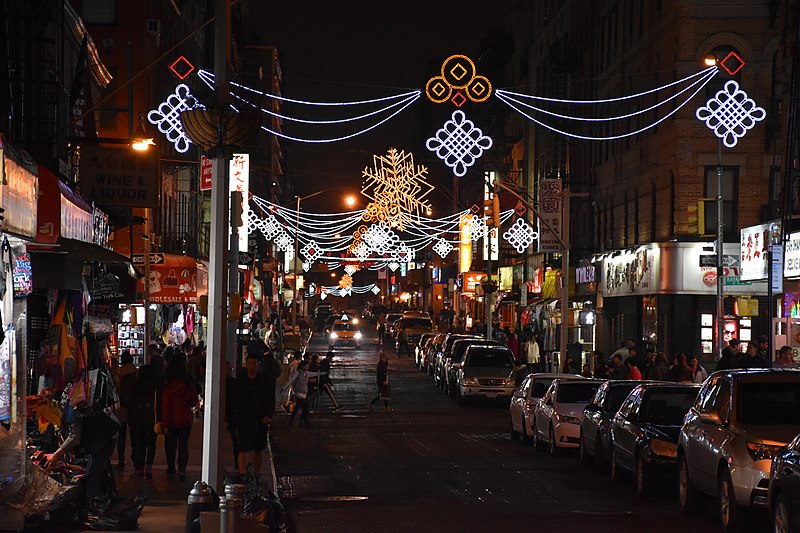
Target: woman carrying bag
<point x="382" y="379"/>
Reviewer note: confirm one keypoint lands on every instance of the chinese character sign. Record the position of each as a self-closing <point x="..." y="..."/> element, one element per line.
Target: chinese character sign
<point x="240" y="181"/>
<point x="550" y="211"/>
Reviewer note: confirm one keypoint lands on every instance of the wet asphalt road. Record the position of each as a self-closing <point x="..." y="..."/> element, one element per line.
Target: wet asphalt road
<point x="430" y="465"/>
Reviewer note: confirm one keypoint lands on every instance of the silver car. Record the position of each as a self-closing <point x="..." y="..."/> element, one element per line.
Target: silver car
<point x="725" y="448"/>
<point x="487" y="371"/>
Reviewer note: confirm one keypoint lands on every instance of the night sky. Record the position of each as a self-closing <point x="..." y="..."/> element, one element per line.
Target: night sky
<point x="344" y="51"/>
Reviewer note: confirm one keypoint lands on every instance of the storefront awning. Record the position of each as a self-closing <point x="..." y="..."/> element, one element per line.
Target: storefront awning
<point x="175" y="279"/>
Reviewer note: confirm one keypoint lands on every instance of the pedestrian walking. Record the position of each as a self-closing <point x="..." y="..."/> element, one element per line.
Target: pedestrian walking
<point x="325" y="383"/>
<point x="532" y="354"/>
<point x="381" y="328"/>
<point x="313" y="383"/>
<point x="124" y="378"/>
<point x="142" y="420"/>
<point x="699" y="374"/>
<point x="513" y="343"/>
<point x="253" y="406"/>
<point x="382" y="380"/>
<point x="300" y="383"/>
<point x="402" y="343"/>
<point x="177" y="401"/>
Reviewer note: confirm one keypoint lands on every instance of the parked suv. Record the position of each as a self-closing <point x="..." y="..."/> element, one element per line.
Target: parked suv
<point x="738" y="422"/>
<point x="415" y="326"/>
<point x="487" y="371"/>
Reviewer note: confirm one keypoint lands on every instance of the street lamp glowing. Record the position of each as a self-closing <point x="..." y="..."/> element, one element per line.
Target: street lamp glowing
<point x="142" y="145"/>
<point x="710" y="61"/>
<point x="333" y="274"/>
<point x="350" y="201"/>
<point x="429" y="212"/>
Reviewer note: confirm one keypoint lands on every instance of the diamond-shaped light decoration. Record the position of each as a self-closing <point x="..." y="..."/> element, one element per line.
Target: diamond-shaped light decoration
<point x="323" y="295"/>
<point x="375" y="289"/>
<point x="393" y="266"/>
<point x="477" y="227"/>
<point x="520" y="235"/>
<point x="311" y="251"/>
<point x="361" y="252"/>
<point x="284" y="242"/>
<point x="306" y="266"/>
<point x="730" y="114"/>
<point x="181" y="67"/>
<point x="442" y="247"/>
<point x="351" y="269"/>
<point x="459" y="143"/>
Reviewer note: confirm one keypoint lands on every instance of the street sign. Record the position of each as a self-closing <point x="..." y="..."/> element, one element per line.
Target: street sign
<point x="155" y="259"/>
<point x="710" y="260"/>
<point x="245" y="258"/>
<point x="206" y="171"/>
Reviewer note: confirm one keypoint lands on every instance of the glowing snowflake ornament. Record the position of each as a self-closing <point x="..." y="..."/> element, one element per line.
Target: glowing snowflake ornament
<point x="168" y="116"/>
<point x="459" y="143"/>
<point x="284" y="242"/>
<point x="361" y="252"/>
<point x="520" y="235"/>
<point x="442" y="247"/>
<point x="730" y="114"/>
<point x="380" y="238"/>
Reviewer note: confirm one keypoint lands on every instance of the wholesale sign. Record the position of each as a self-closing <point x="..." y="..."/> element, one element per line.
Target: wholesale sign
<point x="754" y="264"/>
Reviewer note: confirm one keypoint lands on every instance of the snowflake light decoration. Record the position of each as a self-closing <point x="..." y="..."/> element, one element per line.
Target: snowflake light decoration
<point x="396" y="186"/>
<point x="346" y="282"/>
<point x="520" y="235"/>
<point x="459" y="143"/>
<point x="442" y="247"/>
<point x="311" y="251"/>
<point x="168" y="116"/>
<point x="477" y="227"/>
<point x="730" y="114"/>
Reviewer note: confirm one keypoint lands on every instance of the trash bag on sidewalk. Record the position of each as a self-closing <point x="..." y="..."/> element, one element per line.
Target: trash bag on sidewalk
<point x="275" y="511"/>
<point x="124" y="516"/>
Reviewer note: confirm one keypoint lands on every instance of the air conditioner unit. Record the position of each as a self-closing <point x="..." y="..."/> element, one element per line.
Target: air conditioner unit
<point x="154" y="26"/>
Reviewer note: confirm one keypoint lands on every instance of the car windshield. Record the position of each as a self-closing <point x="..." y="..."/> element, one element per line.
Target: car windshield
<point x="491" y="359"/>
<point x="577" y="392"/>
<point x="769" y="403"/>
<point x="416" y="323"/>
<point x="666" y="407"/>
<point x="459" y="349"/>
<point x="617" y="395"/>
<point x="346" y="326"/>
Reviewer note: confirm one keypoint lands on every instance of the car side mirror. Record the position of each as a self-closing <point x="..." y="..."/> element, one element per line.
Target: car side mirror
<point x="710" y="417"/>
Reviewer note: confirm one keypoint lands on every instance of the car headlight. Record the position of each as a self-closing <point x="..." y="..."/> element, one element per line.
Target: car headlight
<point x="567" y="419"/>
<point x="663" y="448"/>
<point x="334" y="335"/>
<point x="354" y="321"/>
<point x="357" y="335"/>
<point x="469" y="380"/>
<point x="760" y="451"/>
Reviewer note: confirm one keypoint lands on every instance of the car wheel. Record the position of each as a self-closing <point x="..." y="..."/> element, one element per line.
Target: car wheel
<point x="643" y="475"/>
<point x="616" y="471"/>
<point x="689" y="499"/>
<point x="515" y="435"/>
<point x="583" y="454"/>
<point x="552" y="447"/>
<point x="730" y="513"/>
<point x="780" y="516"/>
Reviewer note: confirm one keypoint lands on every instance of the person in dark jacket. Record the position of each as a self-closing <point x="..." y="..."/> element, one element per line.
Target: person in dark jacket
<point x="142" y="420"/>
<point x="124" y="377"/>
<point x="729" y="355"/>
<point x="618" y="370"/>
<point x="251" y="413"/>
<point x="177" y="400"/>
<point x="751" y="358"/>
<point x="382" y="379"/>
<point x="660" y="369"/>
<point x="680" y="371"/>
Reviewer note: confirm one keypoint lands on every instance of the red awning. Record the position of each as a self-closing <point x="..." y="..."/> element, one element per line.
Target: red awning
<point x="179" y="279"/>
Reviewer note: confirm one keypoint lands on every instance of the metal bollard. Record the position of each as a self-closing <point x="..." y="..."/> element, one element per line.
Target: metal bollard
<point x="236" y="490"/>
<point x="230" y="510"/>
<point x="200" y="499"/>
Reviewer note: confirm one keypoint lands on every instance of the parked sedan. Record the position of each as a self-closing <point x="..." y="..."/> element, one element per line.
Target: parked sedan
<point x="644" y="433"/>
<point x="419" y="349"/>
<point x="526" y="398"/>
<point x="784" y="488"/>
<point x="557" y="418"/>
<point x="597" y="417"/>
<point x="740" y="420"/>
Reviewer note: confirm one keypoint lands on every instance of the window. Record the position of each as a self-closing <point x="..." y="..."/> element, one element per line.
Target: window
<point x="99" y="11"/>
<point x="667" y="407"/>
<point x="730" y="188"/>
<point x="769" y="403"/>
<point x="616" y="395"/>
<point x="491" y="359"/>
<point x="708" y="396"/>
<point x="577" y="392"/>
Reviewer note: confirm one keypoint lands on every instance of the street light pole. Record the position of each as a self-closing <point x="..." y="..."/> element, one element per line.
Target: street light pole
<point x="720" y="301"/>
<point x="294" y="260"/>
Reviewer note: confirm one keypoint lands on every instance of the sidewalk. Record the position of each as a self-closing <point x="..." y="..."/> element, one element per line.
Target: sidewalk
<point x="165" y="510"/>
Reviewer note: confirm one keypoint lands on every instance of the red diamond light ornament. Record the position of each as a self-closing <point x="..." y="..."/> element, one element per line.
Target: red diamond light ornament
<point x="732" y="63"/>
<point x="458" y="99"/>
<point x="181" y="67"/>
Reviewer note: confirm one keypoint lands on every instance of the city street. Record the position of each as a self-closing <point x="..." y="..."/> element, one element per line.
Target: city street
<point x="431" y="465"/>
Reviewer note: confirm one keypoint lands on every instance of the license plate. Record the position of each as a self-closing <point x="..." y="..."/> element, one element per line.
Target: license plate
<point x="491" y="395"/>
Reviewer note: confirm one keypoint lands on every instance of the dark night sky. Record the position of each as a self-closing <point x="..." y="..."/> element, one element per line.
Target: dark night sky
<point x="343" y="51"/>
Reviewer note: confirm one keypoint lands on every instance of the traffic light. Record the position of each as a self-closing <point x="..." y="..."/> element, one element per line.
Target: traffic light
<point x="491" y="208"/>
<point x="696" y="221"/>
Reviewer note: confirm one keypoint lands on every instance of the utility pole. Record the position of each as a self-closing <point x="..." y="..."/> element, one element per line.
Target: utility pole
<point x="212" y="465"/>
<point x="720" y="244"/>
